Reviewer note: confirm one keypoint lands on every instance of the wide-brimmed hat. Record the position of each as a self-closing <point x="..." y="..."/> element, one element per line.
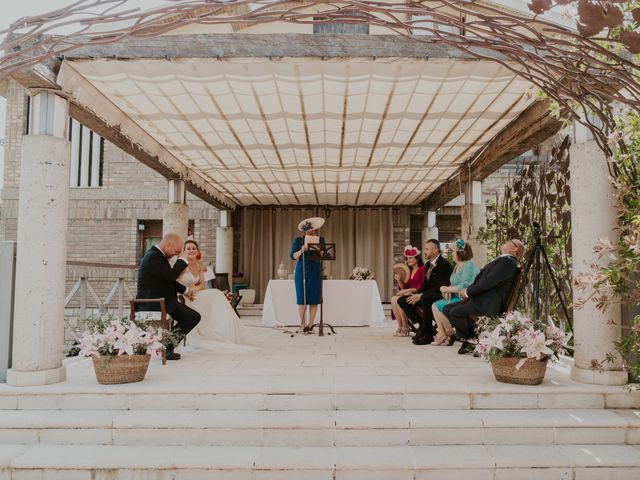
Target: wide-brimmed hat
<point x="458" y="245"/>
<point x="313" y="223"/>
<point x="402" y="271"/>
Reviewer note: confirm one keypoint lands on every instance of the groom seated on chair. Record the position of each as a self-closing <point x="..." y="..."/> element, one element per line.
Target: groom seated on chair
<point x="487" y="295"/>
<point x="437" y="274"/>
<point x="157" y="279"/>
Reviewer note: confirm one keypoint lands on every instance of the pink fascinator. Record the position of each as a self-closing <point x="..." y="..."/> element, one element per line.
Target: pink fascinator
<point x="411" y="251"/>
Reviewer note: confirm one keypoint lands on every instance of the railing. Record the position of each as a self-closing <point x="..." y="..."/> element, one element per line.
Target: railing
<point x="83" y="287"/>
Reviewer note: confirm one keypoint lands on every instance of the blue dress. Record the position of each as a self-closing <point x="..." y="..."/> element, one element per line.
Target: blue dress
<point x="461" y="278"/>
<point x="312" y="272"/>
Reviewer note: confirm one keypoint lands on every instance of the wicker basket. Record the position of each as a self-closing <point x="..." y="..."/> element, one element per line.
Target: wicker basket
<point x="531" y="373"/>
<point x="121" y="369"/>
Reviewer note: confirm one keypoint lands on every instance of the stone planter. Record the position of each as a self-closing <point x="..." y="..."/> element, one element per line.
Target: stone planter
<point x="121" y="369"/>
<point x="531" y="373"/>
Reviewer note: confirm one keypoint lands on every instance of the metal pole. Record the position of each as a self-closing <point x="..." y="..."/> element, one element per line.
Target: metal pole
<point x="7" y="290"/>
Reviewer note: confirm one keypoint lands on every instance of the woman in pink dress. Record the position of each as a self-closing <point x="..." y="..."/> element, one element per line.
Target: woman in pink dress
<point x="409" y="286"/>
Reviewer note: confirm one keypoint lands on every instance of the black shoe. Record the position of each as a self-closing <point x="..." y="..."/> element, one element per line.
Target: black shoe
<point x="173" y="356"/>
<point x="422" y="340"/>
<point x="452" y="339"/>
<point x="466" y="347"/>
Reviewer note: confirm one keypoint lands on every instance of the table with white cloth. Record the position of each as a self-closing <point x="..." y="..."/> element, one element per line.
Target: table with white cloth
<point x="350" y="303"/>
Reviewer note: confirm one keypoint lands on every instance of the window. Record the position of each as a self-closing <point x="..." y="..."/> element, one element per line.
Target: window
<point x="87" y="152"/>
<point x="338" y="28"/>
<point x="87" y="155"/>
<point x="416" y="226"/>
<point x="426" y="21"/>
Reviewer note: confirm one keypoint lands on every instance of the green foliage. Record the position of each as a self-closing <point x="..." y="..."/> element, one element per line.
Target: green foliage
<point x="629" y="348"/>
<point x="539" y="194"/>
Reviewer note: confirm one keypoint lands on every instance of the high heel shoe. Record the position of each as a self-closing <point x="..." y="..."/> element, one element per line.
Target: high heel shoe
<point x="397" y="334"/>
<point x="404" y="332"/>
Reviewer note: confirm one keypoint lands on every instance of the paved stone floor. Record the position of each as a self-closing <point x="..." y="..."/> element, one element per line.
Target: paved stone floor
<point x="358" y="359"/>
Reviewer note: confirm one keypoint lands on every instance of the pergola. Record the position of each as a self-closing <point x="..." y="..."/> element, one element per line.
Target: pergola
<point x="296" y="119"/>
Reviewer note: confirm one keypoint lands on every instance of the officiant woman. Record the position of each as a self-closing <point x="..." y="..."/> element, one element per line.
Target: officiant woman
<point x="307" y="273"/>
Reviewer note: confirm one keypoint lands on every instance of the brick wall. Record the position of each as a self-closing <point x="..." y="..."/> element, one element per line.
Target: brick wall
<point x="103" y="221"/>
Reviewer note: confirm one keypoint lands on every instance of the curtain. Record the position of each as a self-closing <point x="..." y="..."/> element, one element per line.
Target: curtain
<point x="363" y="237"/>
<point x="374" y="246"/>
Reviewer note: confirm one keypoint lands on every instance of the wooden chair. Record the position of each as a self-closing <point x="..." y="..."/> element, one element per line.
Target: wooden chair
<point x="155" y="319"/>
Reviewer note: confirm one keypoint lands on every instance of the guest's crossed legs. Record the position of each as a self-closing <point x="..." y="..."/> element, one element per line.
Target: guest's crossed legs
<point x="458" y="314"/>
<point x="426" y="323"/>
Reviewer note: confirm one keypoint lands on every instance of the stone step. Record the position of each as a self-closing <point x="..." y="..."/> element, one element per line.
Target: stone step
<point x="317" y="393"/>
<point x="320" y="428"/>
<point x="479" y="462"/>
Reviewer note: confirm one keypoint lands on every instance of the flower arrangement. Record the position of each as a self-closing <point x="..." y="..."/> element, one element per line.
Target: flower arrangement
<point x="111" y="337"/>
<point x="361" y="273"/>
<point x="516" y="335"/>
<point x="229" y="296"/>
<point x="306" y="226"/>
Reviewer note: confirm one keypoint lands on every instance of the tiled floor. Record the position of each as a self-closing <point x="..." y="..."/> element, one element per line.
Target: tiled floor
<point x="354" y="360"/>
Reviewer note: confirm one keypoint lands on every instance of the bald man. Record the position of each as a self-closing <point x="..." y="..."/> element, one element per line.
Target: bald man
<point x="487" y="295"/>
<point x="157" y="279"/>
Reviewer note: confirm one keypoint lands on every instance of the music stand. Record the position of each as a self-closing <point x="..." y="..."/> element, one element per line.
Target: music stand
<point x="322" y="252"/>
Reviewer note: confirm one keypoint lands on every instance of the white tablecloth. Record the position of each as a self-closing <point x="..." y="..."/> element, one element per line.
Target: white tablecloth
<point x="346" y="303"/>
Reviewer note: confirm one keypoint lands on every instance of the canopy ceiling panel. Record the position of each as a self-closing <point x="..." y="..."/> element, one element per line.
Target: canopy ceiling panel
<point x="307" y="131"/>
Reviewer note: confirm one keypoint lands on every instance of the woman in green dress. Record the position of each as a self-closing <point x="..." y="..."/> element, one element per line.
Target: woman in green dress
<point x="464" y="273"/>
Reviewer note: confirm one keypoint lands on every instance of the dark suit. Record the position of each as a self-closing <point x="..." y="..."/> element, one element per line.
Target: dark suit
<point x="488" y="295"/>
<point x="434" y="278"/>
<point x="156" y="279"/>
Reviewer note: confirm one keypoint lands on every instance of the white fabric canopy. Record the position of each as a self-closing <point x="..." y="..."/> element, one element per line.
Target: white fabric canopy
<point x="313" y="132"/>
<point x="346" y="303"/>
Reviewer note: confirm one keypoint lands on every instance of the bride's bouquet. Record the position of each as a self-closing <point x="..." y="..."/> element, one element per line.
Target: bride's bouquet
<point x="361" y="273"/>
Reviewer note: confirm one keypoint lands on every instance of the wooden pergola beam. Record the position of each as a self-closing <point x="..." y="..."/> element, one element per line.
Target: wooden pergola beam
<point x="292" y="45"/>
<point x="532" y="127"/>
<point x="44" y="76"/>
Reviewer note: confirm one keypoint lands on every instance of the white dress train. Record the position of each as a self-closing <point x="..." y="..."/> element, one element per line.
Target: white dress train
<point x="219" y="325"/>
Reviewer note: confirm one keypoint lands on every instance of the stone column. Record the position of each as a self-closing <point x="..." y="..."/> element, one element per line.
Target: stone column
<point x="473" y="218"/>
<point x="430" y="229"/>
<point x="176" y="212"/>
<point x="593" y="217"/>
<point x="224" y="245"/>
<point x="38" y="332"/>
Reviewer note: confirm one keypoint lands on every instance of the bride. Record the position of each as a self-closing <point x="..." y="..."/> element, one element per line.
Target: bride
<point x="219" y="322"/>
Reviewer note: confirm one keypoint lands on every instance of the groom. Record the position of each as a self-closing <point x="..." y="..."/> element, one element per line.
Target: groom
<point x="157" y="279"/>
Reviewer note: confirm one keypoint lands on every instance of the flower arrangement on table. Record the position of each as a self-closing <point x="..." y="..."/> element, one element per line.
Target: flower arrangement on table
<point x="361" y="273"/>
<point x="514" y="335"/>
<point x="111" y="337"/>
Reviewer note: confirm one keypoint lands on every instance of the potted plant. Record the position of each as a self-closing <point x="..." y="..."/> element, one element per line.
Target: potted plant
<point x="518" y="347"/>
<point x="120" y="349"/>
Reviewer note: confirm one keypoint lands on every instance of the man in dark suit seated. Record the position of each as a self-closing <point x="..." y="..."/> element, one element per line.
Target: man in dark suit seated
<point x="157" y="279"/>
<point x="487" y="295"/>
<point x="437" y="273"/>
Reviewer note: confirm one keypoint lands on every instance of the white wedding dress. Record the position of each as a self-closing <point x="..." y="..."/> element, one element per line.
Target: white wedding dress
<point x="219" y="325"/>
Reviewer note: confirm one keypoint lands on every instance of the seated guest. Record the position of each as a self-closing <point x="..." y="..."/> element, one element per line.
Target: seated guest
<point x="487" y="295"/>
<point x="464" y="273"/>
<point x="409" y="286"/>
<point x="437" y="273"/>
<point x="158" y="279"/>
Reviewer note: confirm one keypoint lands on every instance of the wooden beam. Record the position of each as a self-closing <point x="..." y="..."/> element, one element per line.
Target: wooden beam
<point x="226" y="45"/>
<point x="152" y="154"/>
<point x="533" y="126"/>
